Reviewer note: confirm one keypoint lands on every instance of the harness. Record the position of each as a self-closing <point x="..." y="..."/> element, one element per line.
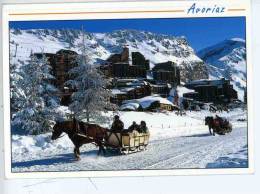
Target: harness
<point x="78" y="132"/>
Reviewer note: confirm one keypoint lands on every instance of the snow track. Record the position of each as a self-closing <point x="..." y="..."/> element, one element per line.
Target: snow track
<point x="195" y="151"/>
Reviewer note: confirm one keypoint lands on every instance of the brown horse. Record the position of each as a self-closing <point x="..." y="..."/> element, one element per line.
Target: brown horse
<point x="215" y="125"/>
<point x="80" y="133"/>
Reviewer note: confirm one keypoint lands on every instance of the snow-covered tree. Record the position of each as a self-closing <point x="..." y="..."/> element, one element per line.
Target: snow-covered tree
<point x="91" y="98"/>
<point x="17" y="95"/>
<point x="39" y="109"/>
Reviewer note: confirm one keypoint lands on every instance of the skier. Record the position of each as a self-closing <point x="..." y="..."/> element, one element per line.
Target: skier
<point x="117" y="125"/>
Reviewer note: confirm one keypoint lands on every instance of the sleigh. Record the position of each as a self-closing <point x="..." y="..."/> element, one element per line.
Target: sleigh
<point x="126" y="142"/>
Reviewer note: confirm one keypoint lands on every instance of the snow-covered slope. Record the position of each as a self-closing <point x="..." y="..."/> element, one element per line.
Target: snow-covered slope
<point x="155" y="47"/>
<point x="175" y="142"/>
<point x="227" y="59"/>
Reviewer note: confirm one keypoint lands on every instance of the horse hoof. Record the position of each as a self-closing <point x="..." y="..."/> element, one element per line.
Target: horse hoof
<point x="78" y="159"/>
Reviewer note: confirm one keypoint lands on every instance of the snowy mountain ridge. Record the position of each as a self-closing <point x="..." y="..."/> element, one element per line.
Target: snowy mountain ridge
<point x="155" y="47"/>
<point x="225" y="59"/>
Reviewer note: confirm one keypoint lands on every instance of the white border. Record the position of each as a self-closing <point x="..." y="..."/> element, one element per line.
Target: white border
<point x="134" y="10"/>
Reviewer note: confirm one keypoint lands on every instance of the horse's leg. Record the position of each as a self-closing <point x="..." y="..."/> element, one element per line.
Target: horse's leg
<point x="210" y="131"/>
<point x="213" y="131"/>
<point x="76" y="153"/>
<point x="99" y="150"/>
<point x="103" y="150"/>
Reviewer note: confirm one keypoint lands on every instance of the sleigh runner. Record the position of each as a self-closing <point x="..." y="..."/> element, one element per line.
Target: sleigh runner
<point x="126" y="142"/>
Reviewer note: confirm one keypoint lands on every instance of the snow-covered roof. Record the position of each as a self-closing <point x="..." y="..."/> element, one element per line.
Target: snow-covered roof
<point x="216" y="82"/>
<point x="127" y="89"/>
<point x="148" y="100"/>
<point x="130" y="106"/>
<point x="117" y="91"/>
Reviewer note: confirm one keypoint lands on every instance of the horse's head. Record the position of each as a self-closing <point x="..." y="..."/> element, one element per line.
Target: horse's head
<point x="208" y="120"/>
<point x="57" y="131"/>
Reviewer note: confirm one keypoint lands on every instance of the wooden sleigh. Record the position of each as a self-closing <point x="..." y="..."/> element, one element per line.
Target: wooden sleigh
<point x="126" y="142"/>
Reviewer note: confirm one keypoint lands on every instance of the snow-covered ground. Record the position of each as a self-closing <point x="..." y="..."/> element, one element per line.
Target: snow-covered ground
<point x="175" y="142"/>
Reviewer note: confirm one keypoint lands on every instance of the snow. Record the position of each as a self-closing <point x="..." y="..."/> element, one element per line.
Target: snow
<point x="175" y="142"/>
<point x="102" y="45"/>
<point x="232" y="160"/>
<point x="145" y="102"/>
<point x="238" y="40"/>
<point x="129" y="106"/>
<point x="117" y="91"/>
<point x="181" y="90"/>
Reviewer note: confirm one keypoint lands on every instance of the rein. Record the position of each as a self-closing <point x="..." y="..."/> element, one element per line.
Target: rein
<point x="61" y="136"/>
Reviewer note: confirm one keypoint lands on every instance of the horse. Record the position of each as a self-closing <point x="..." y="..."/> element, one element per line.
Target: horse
<point x="80" y="133"/>
<point x="216" y="127"/>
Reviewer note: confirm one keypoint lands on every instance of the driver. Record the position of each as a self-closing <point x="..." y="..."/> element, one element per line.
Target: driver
<point x="117" y="125"/>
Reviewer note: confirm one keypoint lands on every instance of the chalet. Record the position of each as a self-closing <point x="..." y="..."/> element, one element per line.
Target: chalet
<point x="118" y="96"/>
<point x="217" y="91"/>
<point x="152" y="103"/>
<point x="167" y="72"/>
<point x="127" y="89"/>
<point x="161" y="89"/>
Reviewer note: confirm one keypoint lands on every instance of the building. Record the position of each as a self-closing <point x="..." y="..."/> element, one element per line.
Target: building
<point x="161" y="89"/>
<point x="217" y="91"/>
<point x="119" y="65"/>
<point x="128" y="89"/>
<point x="61" y="63"/>
<point x="139" y="60"/>
<point x="120" y="57"/>
<point x="167" y="72"/>
<point x="153" y="103"/>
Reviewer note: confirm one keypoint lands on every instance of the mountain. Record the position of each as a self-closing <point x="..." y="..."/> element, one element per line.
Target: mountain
<point x="155" y="47"/>
<point x="227" y="59"/>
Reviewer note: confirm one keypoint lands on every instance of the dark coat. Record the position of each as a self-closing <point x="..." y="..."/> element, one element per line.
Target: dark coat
<point x="117" y="125"/>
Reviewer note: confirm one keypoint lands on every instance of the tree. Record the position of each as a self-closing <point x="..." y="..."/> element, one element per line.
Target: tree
<point x="17" y="95"/>
<point x="39" y="110"/>
<point x="91" y="97"/>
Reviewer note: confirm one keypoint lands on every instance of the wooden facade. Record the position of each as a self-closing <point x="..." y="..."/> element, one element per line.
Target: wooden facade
<point x="167" y="72"/>
<point x="118" y="65"/>
<point x="129" y="89"/>
<point x="217" y="91"/>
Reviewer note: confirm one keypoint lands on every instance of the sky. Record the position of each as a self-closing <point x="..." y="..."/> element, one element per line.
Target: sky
<point x="200" y="32"/>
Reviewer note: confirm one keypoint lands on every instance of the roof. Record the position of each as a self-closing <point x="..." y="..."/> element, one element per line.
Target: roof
<point x="64" y="51"/>
<point x="205" y="82"/>
<point x="130" y="106"/>
<point x="117" y="91"/>
<point x="146" y="102"/>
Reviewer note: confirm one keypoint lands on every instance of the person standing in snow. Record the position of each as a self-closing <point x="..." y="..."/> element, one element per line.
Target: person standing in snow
<point x="117" y="125"/>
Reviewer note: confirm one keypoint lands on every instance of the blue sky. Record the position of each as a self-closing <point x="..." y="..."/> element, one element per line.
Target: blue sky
<point x="200" y="32"/>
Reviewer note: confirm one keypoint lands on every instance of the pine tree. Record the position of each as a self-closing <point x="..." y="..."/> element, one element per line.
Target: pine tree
<point x="91" y="97"/>
<point x="17" y="95"/>
<point x="39" y="110"/>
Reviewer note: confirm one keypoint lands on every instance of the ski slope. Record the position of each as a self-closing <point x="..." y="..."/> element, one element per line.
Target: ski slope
<point x="184" y="144"/>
